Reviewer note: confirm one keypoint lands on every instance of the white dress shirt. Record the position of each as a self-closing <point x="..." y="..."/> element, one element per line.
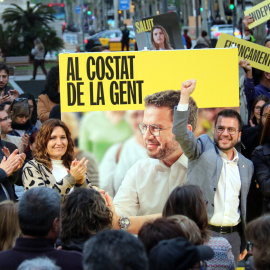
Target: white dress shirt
<point x="147" y="186"/>
<point x="226" y="200"/>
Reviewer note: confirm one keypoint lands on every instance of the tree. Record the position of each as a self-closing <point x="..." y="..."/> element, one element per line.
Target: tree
<point x="26" y="25"/>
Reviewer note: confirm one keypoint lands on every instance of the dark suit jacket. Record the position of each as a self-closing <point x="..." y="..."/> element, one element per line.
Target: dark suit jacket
<point x="30" y="248"/>
<point x="205" y="165"/>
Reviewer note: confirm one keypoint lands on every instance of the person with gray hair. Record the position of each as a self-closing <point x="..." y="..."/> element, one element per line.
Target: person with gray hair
<point x="39" y="264"/>
<point x="39" y="214"/>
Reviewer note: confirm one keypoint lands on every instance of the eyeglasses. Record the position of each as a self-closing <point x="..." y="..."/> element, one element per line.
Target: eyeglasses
<point x="265" y="115"/>
<point x="154" y="130"/>
<point x="4" y="119"/>
<point x="230" y="130"/>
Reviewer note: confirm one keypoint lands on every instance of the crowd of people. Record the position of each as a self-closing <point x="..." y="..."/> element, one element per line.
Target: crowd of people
<point x="76" y="197"/>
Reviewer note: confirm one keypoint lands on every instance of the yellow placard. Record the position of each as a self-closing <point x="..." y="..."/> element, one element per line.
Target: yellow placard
<point x="258" y="56"/>
<point x="120" y="81"/>
<point x="260" y="13"/>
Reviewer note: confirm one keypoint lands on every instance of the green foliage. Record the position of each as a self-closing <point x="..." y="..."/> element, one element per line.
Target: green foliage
<point x="24" y="26"/>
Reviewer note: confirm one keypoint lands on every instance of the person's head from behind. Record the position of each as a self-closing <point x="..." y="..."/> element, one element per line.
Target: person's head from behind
<point x="102" y="48"/>
<point x="151" y="233"/>
<point x="9" y="225"/>
<point x="179" y="254"/>
<point x="204" y="33"/>
<point x="4" y="76"/>
<point x="114" y="250"/>
<point x="32" y="104"/>
<point x="256" y="108"/>
<point x="39" y="213"/>
<point x="19" y="111"/>
<point x="5" y="121"/>
<point x="190" y="228"/>
<point x="227" y="130"/>
<point x="54" y="142"/>
<point x="43" y="263"/>
<point x="188" y="201"/>
<point x="185" y="31"/>
<point x="52" y="82"/>
<point x="38" y="43"/>
<point x="83" y="214"/>
<point x="265" y="110"/>
<point x="157" y="125"/>
<point x="160" y="38"/>
<point x="258" y="234"/>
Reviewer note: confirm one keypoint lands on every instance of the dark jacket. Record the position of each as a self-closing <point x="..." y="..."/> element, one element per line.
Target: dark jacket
<point x="261" y="161"/>
<point x="30" y="248"/>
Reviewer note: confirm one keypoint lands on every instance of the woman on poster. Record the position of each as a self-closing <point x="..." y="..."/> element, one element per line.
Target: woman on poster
<point x="160" y="39"/>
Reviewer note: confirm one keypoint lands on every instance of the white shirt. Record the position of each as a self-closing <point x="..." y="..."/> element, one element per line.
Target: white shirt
<point x="147" y="186"/>
<point x="226" y="200"/>
<point x="59" y="171"/>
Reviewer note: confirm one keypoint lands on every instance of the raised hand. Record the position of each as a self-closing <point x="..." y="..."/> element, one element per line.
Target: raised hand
<point x="78" y="170"/>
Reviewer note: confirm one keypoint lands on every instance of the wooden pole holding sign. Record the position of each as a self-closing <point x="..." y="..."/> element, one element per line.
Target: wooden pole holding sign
<point x="120" y="81"/>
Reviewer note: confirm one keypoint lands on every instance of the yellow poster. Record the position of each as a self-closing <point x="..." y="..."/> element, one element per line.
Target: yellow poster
<point x="258" y="56"/>
<point x="260" y="13"/>
<point x="121" y="80"/>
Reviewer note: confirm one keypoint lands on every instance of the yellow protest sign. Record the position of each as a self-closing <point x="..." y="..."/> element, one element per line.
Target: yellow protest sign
<point x="260" y="13"/>
<point x="258" y="56"/>
<point x="120" y="81"/>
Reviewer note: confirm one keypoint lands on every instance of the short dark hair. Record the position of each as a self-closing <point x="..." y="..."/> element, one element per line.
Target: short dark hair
<point x="151" y="233"/>
<point x="185" y="30"/>
<point x="229" y="113"/>
<point x="170" y="99"/>
<point x="188" y="201"/>
<point x="84" y="213"/>
<point x="37" y="209"/>
<point x="204" y="33"/>
<point x="114" y="250"/>
<point x="4" y="67"/>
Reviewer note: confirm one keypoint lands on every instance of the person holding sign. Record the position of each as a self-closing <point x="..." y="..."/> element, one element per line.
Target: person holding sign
<point x="160" y="39"/>
<point x="223" y="174"/>
<point x="53" y="165"/>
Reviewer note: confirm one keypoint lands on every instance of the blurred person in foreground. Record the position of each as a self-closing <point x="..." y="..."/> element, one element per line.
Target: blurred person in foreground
<point x="9" y="225"/>
<point x="188" y="201"/>
<point x="179" y="254"/>
<point x="39" y="220"/>
<point x="53" y="164"/>
<point x="258" y="235"/>
<point x="122" y="251"/>
<point x="83" y="214"/>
